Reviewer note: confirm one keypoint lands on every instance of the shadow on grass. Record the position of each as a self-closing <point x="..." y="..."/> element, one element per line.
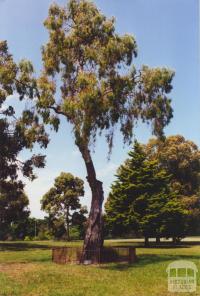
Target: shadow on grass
<point x="161" y="245"/>
<point x="152" y="246"/>
<point x="22" y="246"/>
<point x="43" y="259"/>
<point x="148" y="259"/>
<point x="27" y="260"/>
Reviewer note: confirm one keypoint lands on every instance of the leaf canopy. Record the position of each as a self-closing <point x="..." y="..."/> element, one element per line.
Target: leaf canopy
<point x="88" y="77"/>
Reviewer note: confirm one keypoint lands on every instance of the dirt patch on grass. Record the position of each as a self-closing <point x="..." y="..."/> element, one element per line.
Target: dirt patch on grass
<point x="17" y="269"/>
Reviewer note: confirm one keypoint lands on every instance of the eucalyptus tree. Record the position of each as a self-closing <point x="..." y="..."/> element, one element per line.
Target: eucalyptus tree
<point x="181" y="159"/>
<point x="62" y="201"/>
<point x="88" y="78"/>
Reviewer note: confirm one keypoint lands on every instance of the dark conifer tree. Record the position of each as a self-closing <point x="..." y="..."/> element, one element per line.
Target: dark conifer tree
<point x="141" y="199"/>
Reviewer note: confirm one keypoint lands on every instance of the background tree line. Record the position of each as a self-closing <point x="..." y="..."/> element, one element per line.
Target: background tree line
<point x="156" y="192"/>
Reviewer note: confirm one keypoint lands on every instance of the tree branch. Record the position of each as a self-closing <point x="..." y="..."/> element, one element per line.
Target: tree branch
<point x="57" y="111"/>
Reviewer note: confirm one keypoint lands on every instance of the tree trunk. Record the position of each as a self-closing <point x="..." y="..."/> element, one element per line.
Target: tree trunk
<point x="174" y="240"/>
<point x="157" y="240"/>
<point x="146" y="241"/>
<point x="67" y="223"/>
<point x="93" y="241"/>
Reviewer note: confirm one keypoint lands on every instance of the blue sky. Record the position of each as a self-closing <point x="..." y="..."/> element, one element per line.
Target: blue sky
<point x="167" y="34"/>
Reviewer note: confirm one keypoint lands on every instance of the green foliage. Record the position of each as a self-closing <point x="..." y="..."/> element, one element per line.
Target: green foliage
<point x="79" y="221"/>
<point x="141" y="199"/>
<point x="74" y="233"/>
<point x="44" y="235"/>
<point x="14" y="211"/>
<point x="27" y="238"/>
<point x="84" y="57"/>
<point x="16" y="134"/>
<point x="37" y="229"/>
<point x="62" y="202"/>
<point x="181" y="159"/>
<point x="57" y="227"/>
<point x="22" y="132"/>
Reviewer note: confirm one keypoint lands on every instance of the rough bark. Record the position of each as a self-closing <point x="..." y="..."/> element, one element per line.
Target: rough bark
<point x="93" y="241"/>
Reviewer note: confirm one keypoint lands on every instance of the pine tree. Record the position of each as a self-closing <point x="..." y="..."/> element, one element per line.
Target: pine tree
<point x="141" y="199"/>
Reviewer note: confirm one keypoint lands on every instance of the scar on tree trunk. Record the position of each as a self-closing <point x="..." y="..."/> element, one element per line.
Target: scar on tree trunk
<point x="93" y="241"/>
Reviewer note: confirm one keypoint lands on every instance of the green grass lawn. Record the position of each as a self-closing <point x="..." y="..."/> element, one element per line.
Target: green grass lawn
<point x="26" y="269"/>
